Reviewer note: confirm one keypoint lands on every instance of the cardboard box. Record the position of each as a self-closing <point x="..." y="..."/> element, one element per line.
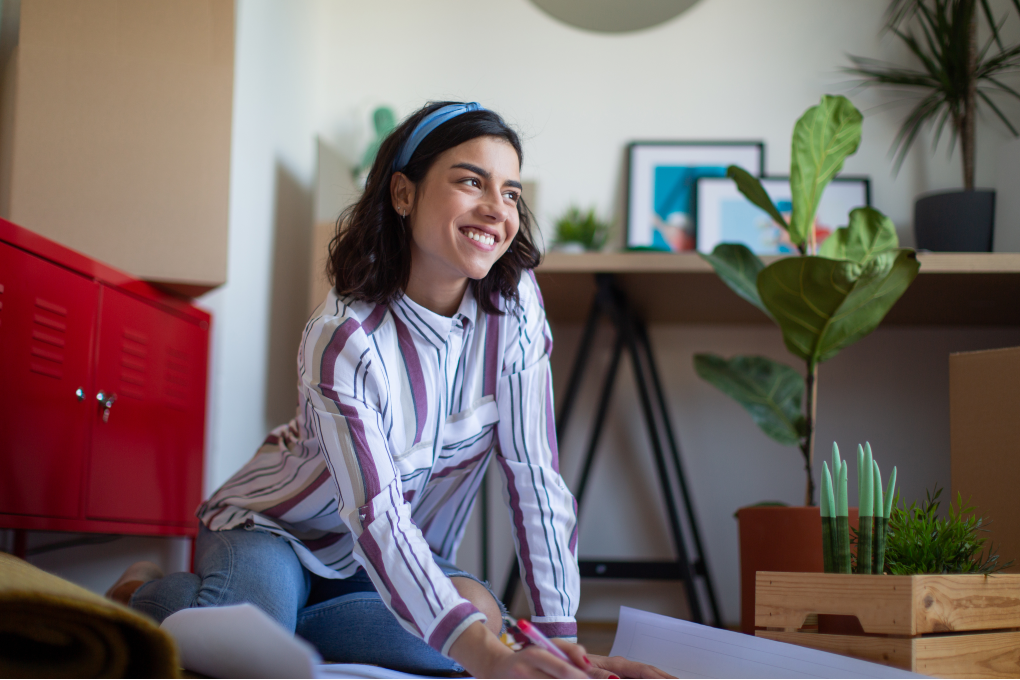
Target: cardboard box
<point x="115" y="132"/>
<point x="984" y="424"/>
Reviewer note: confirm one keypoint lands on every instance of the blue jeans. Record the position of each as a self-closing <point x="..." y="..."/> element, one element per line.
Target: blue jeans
<point x="345" y="619"/>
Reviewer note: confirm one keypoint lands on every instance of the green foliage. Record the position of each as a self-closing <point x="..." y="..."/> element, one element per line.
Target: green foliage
<point x="751" y="187"/>
<point x="738" y="267"/>
<point x="822" y="139"/>
<point x="583" y="228"/>
<point x="920" y="542"/>
<point x="824" y="305"/>
<point x="770" y="391"/>
<point x="956" y="74"/>
<point x="822" y="302"/>
<point x="870" y="232"/>
<point x="383" y="121"/>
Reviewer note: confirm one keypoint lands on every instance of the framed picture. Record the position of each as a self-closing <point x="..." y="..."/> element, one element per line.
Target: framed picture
<point x="726" y="216"/>
<point x="661" y="191"/>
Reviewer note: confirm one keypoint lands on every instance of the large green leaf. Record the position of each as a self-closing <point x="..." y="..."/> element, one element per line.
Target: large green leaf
<point x="822" y="139"/>
<point x="824" y="305"/>
<point x="738" y="267"/>
<point x="751" y="187"/>
<point x="869" y="233"/>
<point x="770" y="391"/>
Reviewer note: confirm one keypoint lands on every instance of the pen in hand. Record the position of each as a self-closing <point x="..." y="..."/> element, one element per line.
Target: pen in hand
<point x="536" y="638"/>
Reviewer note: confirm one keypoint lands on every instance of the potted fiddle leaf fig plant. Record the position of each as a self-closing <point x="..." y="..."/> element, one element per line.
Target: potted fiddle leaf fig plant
<point x="823" y="300"/>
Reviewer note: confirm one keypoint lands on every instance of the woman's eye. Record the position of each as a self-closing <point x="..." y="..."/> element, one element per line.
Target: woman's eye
<point x="472" y="181"/>
<point x="512" y="195"/>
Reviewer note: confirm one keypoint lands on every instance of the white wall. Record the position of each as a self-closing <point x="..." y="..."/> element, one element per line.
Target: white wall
<point x="272" y="166"/>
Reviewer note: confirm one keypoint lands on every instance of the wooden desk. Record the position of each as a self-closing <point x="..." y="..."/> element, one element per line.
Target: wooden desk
<point x="953" y="289"/>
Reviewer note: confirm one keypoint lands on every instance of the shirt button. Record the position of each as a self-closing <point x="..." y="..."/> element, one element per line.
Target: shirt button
<point x="249" y="524"/>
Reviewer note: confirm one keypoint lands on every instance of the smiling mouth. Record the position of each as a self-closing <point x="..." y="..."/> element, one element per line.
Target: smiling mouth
<point x="479" y="236"/>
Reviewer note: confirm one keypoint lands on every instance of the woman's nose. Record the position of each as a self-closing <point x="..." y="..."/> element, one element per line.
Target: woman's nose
<point x="495" y="207"/>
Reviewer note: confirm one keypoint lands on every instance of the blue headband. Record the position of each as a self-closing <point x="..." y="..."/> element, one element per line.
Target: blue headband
<point x="427" y="125"/>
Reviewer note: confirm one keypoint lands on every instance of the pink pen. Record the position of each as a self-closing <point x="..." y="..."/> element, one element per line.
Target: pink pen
<point x="536" y="638"/>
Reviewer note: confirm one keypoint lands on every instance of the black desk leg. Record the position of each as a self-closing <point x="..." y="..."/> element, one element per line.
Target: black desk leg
<point x="702" y="568"/>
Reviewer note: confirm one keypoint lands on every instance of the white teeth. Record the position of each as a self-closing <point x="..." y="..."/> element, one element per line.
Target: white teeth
<point x="481" y="238"/>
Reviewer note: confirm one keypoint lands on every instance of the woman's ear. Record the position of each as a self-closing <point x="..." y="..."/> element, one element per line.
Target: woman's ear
<point x="402" y="193"/>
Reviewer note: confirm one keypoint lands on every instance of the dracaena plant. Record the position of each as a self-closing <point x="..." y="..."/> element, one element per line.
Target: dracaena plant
<point x="823" y="300"/>
<point x="957" y="74"/>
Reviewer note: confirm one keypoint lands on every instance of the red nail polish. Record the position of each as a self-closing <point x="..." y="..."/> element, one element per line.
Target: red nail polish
<point x="614" y="677"/>
<point x="586" y="661"/>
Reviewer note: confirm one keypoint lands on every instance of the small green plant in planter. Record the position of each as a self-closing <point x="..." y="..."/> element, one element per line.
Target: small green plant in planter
<point x="823" y="300"/>
<point x="580" y="231"/>
<point x="920" y="542"/>
<point x="874" y="508"/>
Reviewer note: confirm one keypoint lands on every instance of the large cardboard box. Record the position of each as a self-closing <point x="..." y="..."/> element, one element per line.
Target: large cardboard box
<point x="984" y="422"/>
<point x="115" y="131"/>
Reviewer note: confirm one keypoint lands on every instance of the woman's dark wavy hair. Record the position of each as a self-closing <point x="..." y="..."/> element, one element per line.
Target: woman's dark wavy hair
<point x="370" y="254"/>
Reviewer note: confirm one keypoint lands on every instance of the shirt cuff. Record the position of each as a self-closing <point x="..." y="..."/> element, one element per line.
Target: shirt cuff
<point x="447" y="628"/>
<point x="555" y="626"/>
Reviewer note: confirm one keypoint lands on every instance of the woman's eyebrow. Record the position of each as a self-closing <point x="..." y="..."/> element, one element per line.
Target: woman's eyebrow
<point x="485" y="174"/>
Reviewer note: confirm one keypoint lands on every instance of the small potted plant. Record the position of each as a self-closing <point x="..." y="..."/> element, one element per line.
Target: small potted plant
<point x="823" y="300"/>
<point x="957" y="77"/>
<point x="577" y="231"/>
<point x="937" y="605"/>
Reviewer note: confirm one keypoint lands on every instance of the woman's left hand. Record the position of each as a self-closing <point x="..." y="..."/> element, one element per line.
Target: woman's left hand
<point x="617" y="666"/>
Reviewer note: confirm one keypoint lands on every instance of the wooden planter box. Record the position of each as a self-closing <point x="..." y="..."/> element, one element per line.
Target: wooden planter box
<point x="949" y="626"/>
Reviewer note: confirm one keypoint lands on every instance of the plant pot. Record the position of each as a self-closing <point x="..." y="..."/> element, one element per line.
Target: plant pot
<point x="955" y="221"/>
<point x="946" y="625"/>
<point x="777" y="539"/>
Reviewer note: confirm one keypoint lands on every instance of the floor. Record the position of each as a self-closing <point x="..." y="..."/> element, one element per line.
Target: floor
<point x="596" y="637"/>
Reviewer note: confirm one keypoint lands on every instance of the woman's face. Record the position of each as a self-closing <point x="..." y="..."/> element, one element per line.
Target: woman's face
<point x="463" y="216"/>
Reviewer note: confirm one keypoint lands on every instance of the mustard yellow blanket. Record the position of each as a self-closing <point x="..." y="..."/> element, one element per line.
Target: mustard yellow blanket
<point x="50" y="627"/>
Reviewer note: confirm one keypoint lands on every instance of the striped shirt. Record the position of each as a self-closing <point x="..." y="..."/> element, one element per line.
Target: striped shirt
<point x="400" y="411"/>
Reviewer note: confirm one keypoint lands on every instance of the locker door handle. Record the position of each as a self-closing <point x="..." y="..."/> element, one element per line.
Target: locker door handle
<point x="106" y="401"/>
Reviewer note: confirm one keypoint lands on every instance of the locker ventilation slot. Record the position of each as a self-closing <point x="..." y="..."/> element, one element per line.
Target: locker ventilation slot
<point x="134" y="364"/>
<point x="49" y="336"/>
<point x="178" y="377"/>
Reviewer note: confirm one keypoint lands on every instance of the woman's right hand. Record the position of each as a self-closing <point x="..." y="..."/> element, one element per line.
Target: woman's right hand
<point x="484" y="656"/>
<point x="533" y="662"/>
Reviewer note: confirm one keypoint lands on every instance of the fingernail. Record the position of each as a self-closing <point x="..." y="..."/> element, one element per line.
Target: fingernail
<point x="614" y="677"/>
<point x="586" y="661"/>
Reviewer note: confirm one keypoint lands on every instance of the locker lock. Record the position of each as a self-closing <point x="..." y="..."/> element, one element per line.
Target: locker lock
<point x="106" y="401"/>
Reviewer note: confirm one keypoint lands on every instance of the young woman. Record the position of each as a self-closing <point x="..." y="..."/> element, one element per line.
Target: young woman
<point x="428" y="359"/>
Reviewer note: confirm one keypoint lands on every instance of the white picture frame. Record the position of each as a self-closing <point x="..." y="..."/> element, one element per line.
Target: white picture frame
<point x="724" y="215"/>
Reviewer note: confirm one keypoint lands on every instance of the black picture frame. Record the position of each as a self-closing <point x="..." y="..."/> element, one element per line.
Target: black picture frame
<point x="661" y="178"/>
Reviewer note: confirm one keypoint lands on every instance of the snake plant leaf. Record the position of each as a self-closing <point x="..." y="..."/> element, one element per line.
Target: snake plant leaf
<point x="869" y="233"/>
<point x="824" y="305"/>
<point x="738" y="268"/>
<point x="751" y="187"/>
<point x="770" y="391"/>
<point x="822" y="139"/>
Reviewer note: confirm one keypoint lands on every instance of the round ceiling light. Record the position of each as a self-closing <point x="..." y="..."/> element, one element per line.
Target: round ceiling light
<point x="613" y="16"/>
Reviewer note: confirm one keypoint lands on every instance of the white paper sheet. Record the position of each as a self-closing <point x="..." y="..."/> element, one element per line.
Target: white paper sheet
<point x="241" y="641"/>
<point x="690" y="650"/>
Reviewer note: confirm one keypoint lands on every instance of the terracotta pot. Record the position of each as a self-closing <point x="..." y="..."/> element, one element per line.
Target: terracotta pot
<point x="777" y="539"/>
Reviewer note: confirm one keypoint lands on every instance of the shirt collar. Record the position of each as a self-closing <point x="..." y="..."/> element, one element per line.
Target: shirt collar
<point x="432" y="326"/>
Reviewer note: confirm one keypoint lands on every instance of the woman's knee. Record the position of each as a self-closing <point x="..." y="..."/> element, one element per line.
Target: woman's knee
<point x="480" y="597"/>
<point x="162" y="597"/>
<point x="258" y="567"/>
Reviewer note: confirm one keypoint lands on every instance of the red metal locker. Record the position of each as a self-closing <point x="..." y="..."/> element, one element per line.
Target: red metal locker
<point x="149" y="414"/>
<point x="47" y="319"/>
